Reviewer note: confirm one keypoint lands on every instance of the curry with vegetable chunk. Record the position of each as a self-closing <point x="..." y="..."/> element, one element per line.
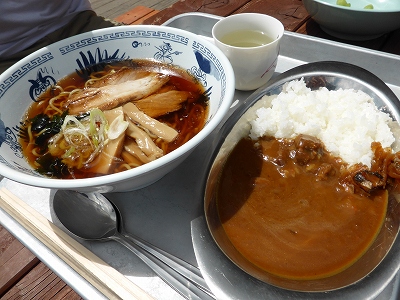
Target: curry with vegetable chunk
<point x="288" y="207"/>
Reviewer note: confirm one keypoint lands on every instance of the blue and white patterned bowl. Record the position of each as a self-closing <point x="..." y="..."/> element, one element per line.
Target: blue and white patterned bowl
<point x="23" y="82"/>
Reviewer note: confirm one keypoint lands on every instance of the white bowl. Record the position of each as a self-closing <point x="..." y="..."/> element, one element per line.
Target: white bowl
<point x="49" y="64"/>
<point x="355" y="22"/>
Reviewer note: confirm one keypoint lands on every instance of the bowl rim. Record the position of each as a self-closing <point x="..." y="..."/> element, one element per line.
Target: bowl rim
<point x="112" y="179"/>
<point x="363" y="11"/>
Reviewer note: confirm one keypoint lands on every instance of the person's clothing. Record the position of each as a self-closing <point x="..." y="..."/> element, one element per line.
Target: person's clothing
<point x="77" y="22"/>
<point x="23" y="22"/>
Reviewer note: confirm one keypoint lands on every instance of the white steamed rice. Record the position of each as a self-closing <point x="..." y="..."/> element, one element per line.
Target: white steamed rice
<point x="345" y="120"/>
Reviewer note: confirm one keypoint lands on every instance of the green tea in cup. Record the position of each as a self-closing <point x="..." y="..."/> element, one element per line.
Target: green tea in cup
<point x="251" y="42"/>
<point x="246" y="38"/>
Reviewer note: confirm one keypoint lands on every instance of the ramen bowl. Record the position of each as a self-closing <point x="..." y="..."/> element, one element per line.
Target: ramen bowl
<point x="24" y="82"/>
<point x="362" y="20"/>
<point x="380" y="262"/>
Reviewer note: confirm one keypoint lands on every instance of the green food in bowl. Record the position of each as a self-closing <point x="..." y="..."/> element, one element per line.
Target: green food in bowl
<point x="343" y="3"/>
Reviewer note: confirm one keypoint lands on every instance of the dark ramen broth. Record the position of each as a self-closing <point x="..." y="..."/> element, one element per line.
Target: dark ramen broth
<point x="187" y="121"/>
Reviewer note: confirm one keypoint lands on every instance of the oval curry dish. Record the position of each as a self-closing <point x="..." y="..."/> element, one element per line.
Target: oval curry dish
<point x="279" y="225"/>
<point x="289" y="210"/>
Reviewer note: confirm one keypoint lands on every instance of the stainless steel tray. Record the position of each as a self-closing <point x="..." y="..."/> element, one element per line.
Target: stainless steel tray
<point x="225" y="279"/>
<point x="170" y="212"/>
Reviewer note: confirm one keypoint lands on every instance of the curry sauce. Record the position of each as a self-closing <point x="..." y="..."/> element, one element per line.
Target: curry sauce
<point x="284" y="208"/>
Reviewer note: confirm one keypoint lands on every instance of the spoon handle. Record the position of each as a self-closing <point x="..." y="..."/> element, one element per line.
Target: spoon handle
<point x="187" y="270"/>
<point x="180" y="275"/>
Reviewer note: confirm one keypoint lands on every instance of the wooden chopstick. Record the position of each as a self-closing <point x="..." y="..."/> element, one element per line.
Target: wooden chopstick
<point x="101" y="275"/>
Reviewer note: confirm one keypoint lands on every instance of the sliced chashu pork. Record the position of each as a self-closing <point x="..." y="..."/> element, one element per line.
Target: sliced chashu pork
<point x="162" y="103"/>
<point x="118" y="76"/>
<point x="112" y="95"/>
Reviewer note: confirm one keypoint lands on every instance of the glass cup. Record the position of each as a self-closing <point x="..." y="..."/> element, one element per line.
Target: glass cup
<point x="251" y="42"/>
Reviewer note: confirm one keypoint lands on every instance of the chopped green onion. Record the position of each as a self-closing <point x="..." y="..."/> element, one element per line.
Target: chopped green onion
<point x="98" y="123"/>
<point x="86" y="134"/>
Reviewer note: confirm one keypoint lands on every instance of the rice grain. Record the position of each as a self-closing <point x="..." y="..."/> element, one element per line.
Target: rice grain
<point x="345" y="120"/>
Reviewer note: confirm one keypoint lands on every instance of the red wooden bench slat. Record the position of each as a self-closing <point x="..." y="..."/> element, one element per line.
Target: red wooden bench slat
<point x="15" y="260"/>
<point x="40" y="283"/>
<point x="136" y="15"/>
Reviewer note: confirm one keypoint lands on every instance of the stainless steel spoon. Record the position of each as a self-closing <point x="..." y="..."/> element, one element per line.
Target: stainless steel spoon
<point x="93" y="217"/>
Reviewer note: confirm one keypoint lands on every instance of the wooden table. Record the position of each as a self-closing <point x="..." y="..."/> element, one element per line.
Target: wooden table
<point x="29" y="277"/>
